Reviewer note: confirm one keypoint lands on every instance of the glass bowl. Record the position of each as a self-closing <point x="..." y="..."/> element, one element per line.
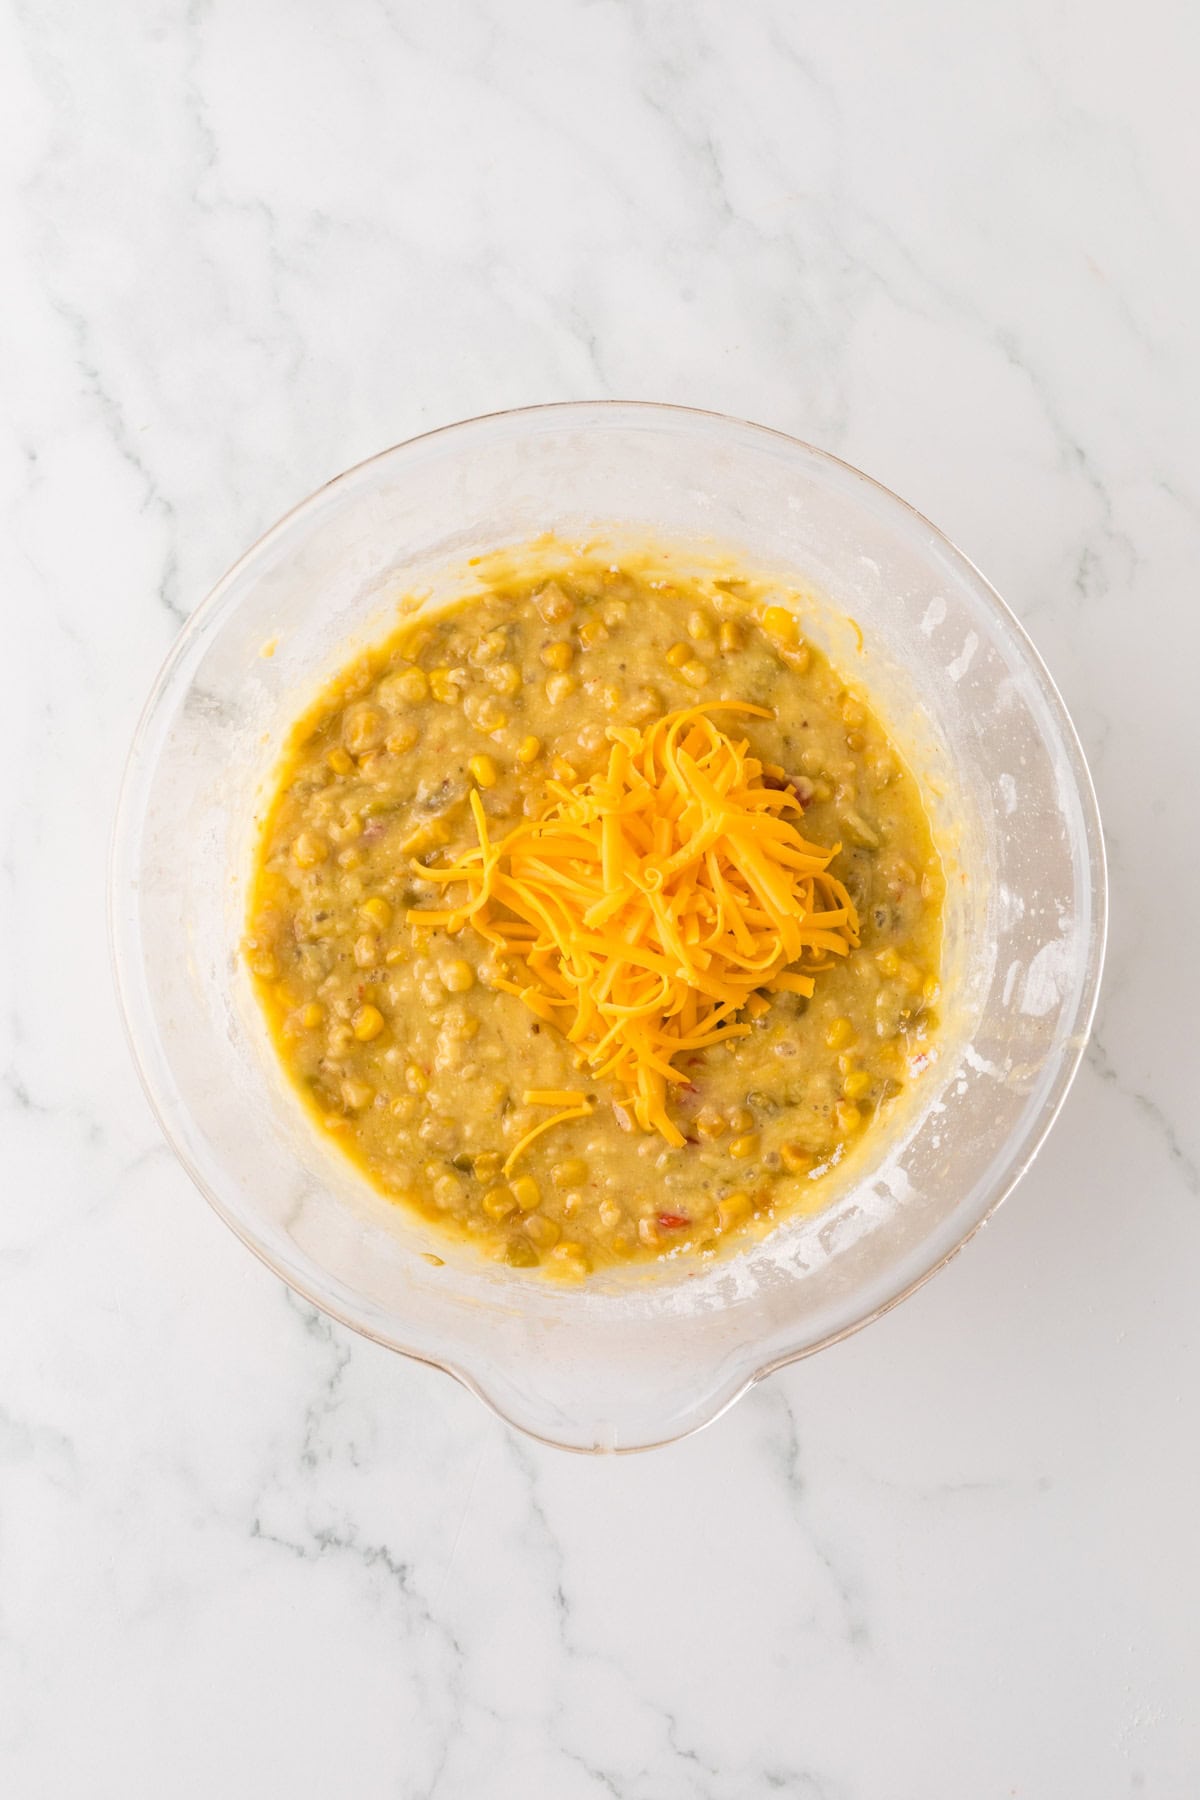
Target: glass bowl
<point x="637" y="1357"/>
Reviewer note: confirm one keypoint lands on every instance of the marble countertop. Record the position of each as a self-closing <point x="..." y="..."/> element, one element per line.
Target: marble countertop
<point x="243" y="1553"/>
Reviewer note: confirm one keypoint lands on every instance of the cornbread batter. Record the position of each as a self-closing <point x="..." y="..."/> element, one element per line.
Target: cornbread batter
<point x="596" y="915"/>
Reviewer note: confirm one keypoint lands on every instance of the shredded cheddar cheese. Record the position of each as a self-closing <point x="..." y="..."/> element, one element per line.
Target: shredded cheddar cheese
<point x="518" y="1150"/>
<point x="647" y="906"/>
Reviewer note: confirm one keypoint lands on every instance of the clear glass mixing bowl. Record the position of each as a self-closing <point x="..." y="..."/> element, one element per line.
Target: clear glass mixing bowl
<point x="635" y="1358"/>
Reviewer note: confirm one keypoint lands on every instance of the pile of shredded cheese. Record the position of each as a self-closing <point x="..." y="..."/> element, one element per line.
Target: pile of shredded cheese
<point x="644" y="907"/>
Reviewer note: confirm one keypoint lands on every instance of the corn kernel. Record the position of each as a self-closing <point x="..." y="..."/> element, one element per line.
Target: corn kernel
<point x="427" y="837"/>
<point x="366" y="950"/>
<point x="840" y="1032"/>
<point x="846" y="1063"/>
<point x="679" y="654"/>
<point x="741" y="1119"/>
<point x="411" y="685"/>
<point x="519" y="1253"/>
<point x="849" y="1117"/>
<point x="889" y="962"/>
<point x="483" y="769"/>
<point x="648" y="1232"/>
<point x="542" y="1231"/>
<point x="415" y="1079"/>
<point x="498" y="1202"/>
<point x="569" y="1173"/>
<point x="309" y="850"/>
<point x="443" y="685"/>
<point x="489" y="715"/>
<point x="362" y="730"/>
<point x="730" y="636"/>
<point x="593" y="632"/>
<point x="553" y="604"/>
<point x="488" y="647"/>
<point x="447" y="1191"/>
<point x="569" y="1259"/>
<point x="695" y="673"/>
<point x="795" y="1159"/>
<point x="856" y="1085"/>
<point x="528" y="750"/>
<point x="312" y="1015"/>
<point x="558" y="687"/>
<point x="505" y="677"/>
<point x="644" y="703"/>
<point x="377" y="910"/>
<point x="710" y="1123"/>
<point x="368" y="1023"/>
<point x="699" y="626"/>
<point x="558" y="655"/>
<point x="357" y="1094"/>
<point x="340" y="761"/>
<point x="486" y="1165"/>
<point x="525" y="1192"/>
<point x="778" y="622"/>
<point x="742" y="1147"/>
<point x="402" y="739"/>
<point x="265" y="965"/>
<point x="733" y="1210"/>
<point x="457" y="976"/>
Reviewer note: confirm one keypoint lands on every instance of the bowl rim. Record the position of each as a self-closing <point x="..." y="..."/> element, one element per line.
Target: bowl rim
<point x="124" y="838"/>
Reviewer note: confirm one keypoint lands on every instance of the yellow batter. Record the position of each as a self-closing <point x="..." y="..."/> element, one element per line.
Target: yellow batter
<point x="434" y="1051"/>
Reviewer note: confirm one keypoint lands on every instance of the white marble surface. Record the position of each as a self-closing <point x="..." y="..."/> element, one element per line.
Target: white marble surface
<point x="243" y="1553"/>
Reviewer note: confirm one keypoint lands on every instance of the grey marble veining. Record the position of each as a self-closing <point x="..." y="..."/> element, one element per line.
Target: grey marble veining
<point x="242" y="1552"/>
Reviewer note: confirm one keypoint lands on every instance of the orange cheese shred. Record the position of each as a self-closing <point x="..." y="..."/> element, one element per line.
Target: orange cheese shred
<point x="646" y="905"/>
<point x="518" y="1150"/>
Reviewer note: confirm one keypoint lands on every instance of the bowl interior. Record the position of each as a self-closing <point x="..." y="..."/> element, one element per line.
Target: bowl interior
<point x="635" y="1358"/>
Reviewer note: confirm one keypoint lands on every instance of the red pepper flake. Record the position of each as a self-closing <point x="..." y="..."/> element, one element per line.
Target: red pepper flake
<point x="673" y="1221"/>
